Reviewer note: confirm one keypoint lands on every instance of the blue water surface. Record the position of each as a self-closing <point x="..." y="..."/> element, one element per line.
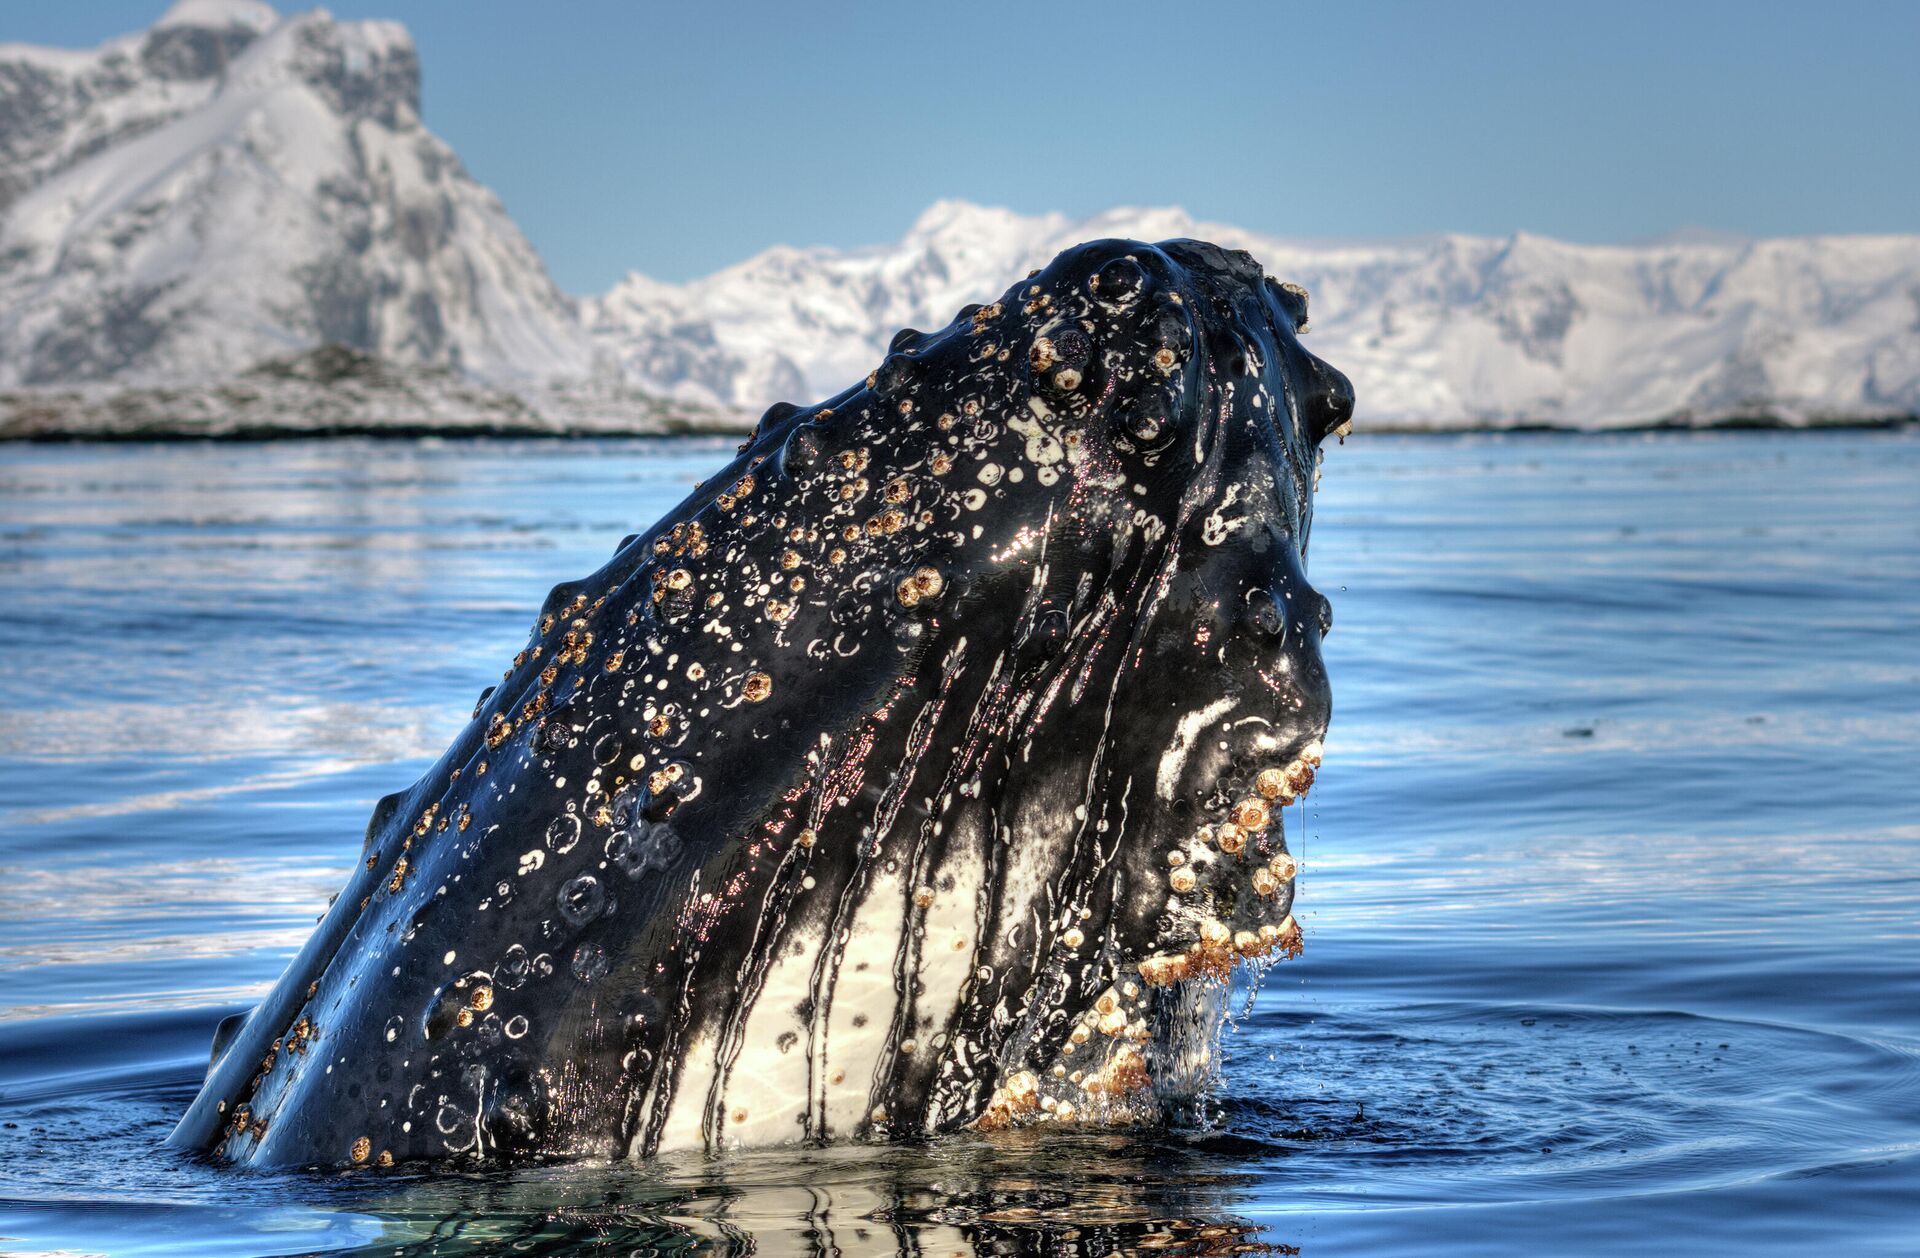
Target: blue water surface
<point x="1609" y="879"/>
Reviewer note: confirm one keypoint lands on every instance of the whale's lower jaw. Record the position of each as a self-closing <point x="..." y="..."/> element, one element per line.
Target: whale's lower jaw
<point x="811" y="1053"/>
<point x="1139" y="1052"/>
<point x="1142" y="1052"/>
<point x="1146" y="1051"/>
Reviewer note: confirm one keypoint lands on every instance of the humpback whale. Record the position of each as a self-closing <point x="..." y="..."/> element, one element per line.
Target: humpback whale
<point x="911" y="774"/>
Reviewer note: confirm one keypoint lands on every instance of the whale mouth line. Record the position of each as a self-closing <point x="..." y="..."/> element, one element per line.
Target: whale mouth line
<point x="1147" y="1048"/>
<point x="1236" y="867"/>
<point x="1218" y="951"/>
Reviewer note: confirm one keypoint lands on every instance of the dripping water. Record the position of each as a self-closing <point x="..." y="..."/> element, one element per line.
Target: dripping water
<point x="1187" y="1020"/>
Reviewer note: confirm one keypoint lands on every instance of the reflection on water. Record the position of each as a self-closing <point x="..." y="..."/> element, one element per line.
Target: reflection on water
<point x="1608" y="879"/>
<point x="966" y="1196"/>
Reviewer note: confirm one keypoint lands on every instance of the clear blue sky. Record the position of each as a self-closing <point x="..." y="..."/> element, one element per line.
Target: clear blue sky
<point x="678" y="138"/>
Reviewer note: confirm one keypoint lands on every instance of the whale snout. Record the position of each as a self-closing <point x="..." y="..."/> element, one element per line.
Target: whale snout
<point x="1214" y="867"/>
<point x="1329" y="401"/>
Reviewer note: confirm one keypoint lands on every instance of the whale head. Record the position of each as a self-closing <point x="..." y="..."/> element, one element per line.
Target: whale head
<point x="886" y="786"/>
<point x="1135" y="492"/>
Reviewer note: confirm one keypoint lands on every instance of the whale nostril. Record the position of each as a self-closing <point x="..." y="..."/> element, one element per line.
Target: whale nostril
<point x="1325" y="614"/>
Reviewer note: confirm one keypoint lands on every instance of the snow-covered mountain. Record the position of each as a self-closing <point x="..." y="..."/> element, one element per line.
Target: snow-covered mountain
<point x="233" y="188"/>
<point x="1440" y="331"/>
<point x="232" y="185"/>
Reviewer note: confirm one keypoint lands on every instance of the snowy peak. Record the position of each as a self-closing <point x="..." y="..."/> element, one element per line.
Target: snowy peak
<point x="362" y="70"/>
<point x="217" y="15"/>
<point x="198" y="39"/>
<point x="1439" y="331"/>
<point x="233" y="185"/>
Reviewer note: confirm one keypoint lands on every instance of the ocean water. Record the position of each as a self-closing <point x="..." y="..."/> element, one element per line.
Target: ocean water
<point x="1609" y="880"/>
